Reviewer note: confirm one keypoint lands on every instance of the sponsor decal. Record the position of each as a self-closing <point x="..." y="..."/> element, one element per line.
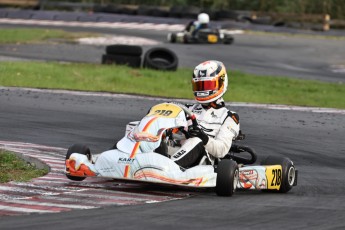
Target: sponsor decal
<point x="180" y="153"/>
<point x="125" y="160"/>
<point x="200" y="93"/>
<point x="248" y="172"/>
<point x="145" y="136"/>
<point x="214" y="115"/>
<point x="251" y="179"/>
<point x="202" y="73"/>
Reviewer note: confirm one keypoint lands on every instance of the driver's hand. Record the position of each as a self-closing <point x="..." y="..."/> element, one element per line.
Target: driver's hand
<point x="198" y="132"/>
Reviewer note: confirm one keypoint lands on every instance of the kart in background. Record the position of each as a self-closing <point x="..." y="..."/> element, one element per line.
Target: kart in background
<point x="203" y="36"/>
<point x="235" y="171"/>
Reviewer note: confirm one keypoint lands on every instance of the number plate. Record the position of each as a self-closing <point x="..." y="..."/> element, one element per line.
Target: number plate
<point x="274" y="176"/>
<point x="165" y="110"/>
<point x="211" y="38"/>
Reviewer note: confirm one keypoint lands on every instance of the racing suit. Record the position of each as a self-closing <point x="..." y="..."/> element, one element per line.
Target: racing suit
<point x="194" y="26"/>
<point x="219" y="124"/>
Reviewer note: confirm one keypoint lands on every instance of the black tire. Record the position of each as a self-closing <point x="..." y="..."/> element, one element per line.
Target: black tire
<point x="78" y="148"/>
<point x="186" y="39"/>
<point x="227" y="177"/>
<point x="173" y="38"/>
<point x="121" y="60"/>
<point x="125" y="50"/>
<point x="190" y="12"/>
<point x="144" y="10"/>
<point x="156" y="12"/>
<point x="160" y="59"/>
<point x="289" y="173"/>
<point x="228" y="40"/>
<point x="175" y="11"/>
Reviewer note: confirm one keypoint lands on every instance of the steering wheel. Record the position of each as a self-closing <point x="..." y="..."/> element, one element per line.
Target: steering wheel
<point x="189" y="116"/>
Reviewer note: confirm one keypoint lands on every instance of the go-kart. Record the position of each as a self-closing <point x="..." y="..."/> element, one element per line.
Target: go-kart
<point x="209" y="35"/>
<point x="137" y="158"/>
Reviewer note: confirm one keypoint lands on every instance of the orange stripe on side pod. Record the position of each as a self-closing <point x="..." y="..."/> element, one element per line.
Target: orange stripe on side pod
<point x="134" y="151"/>
<point x="136" y="147"/>
<point x="126" y="171"/>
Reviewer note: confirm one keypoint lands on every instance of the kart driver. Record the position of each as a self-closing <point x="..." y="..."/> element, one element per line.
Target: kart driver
<point x="217" y="125"/>
<point x="202" y="23"/>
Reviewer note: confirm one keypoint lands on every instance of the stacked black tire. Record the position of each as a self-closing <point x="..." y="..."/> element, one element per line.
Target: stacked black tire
<point x="123" y="55"/>
<point x="160" y="59"/>
<point x="155" y="58"/>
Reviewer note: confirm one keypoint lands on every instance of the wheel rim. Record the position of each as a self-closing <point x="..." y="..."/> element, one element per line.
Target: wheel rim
<point x="291" y="175"/>
<point x="236" y="176"/>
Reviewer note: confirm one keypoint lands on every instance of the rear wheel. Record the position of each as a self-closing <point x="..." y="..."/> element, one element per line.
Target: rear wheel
<point x="289" y="173"/>
<point x="227" y="177"/>
<point x="81" y="149"/>
<point x="228" y="40"/>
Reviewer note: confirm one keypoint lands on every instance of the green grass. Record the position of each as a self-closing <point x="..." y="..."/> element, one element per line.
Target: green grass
<point x="121" y="79"/>
<point x="13" y="168"/>
<point x="23" y="35"/>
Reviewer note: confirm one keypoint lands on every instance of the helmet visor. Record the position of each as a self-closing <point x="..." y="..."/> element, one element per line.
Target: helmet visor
<point x="207" y="85"/>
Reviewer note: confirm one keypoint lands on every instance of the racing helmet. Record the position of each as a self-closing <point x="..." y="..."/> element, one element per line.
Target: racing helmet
<point x="203" y="18"/>
<point x="209" y="81"/>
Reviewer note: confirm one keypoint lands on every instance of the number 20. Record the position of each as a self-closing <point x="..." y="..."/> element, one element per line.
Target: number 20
<point x="277" y="174"/>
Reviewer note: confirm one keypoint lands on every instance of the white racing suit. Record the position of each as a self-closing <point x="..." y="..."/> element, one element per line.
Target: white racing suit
<point x="220" y="124"/>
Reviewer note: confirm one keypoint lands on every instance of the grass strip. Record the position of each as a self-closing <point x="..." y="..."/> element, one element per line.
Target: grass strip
<point x="35" y="35"/>
<point x="122" y="79"/>
<point x="13" y="168"/>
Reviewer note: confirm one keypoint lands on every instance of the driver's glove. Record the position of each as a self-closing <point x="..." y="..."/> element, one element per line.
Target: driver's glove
<point x="198" y="132"/>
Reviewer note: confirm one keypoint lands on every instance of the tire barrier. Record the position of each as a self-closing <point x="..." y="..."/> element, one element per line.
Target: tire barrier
<point x="155" y="58"/>
<point x="121" y="60"/>
<point x="154" y="11"/>
<point x="160" y="59"/>
<point x="123" y="55"/>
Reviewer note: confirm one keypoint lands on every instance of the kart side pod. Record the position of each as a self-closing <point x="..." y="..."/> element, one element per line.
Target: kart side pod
<point x="274" y="174"/>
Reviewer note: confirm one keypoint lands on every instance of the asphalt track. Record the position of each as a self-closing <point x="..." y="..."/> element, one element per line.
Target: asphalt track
<point x="313" y="140"/>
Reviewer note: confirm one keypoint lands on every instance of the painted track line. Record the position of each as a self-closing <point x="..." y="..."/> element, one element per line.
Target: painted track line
<point x="54" y="193"/>
<point x="111" y="25"/>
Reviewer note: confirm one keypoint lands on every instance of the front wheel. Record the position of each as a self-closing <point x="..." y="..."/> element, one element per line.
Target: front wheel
<point x="172" y="37"/>
<point x="228" y="40"/>
<point x="78" y="148"/>
<point x="227" y="177"/>
<point x="289" y="172"/>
